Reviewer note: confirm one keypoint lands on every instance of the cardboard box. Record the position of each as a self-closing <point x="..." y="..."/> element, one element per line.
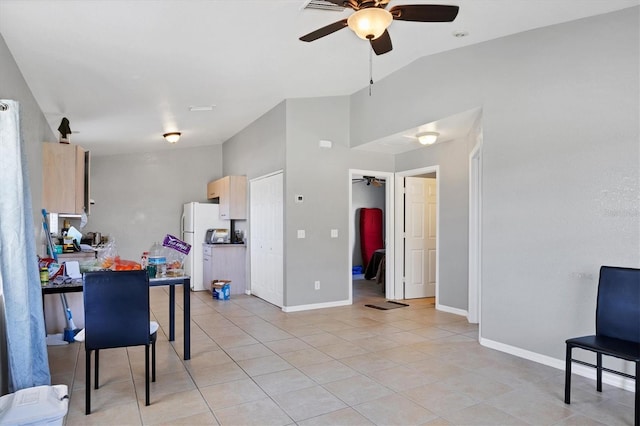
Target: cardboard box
<point x="220" y="289"/>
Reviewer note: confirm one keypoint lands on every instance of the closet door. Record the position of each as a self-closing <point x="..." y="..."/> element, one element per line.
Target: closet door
<point x="267" y="238"/>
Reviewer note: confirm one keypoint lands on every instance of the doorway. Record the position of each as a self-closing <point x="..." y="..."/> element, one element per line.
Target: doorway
<point x="417" y="208"/>
<point x="420" y="236"/>
<point x="370" y="188"/>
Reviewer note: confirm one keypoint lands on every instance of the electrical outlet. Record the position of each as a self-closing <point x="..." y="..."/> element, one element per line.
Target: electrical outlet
<point x="317" y="285"/>
<point x="301" y="233"/>
<point x="334" y="233"/>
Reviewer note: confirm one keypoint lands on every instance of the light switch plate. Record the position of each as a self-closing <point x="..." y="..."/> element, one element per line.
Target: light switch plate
<point x="334" y="233"/>
<point x="300" y="233"/>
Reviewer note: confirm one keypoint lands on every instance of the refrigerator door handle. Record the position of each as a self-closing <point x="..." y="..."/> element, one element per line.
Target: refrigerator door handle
<point x="182" y="226"/>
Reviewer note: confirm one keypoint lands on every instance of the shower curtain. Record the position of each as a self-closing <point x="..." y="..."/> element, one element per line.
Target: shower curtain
<point x="22" y="323"/>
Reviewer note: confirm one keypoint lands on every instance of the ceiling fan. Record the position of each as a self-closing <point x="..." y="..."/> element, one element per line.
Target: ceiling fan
<point x="370" y="180"/>
<point x="371" y="19"/>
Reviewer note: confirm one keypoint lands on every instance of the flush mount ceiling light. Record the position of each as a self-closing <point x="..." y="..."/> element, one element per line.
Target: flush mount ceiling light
<point x="427" y="138"/>
<point x="370" y="23"/>
<point x="172" y="137"/>
<point x="194" y="108"/>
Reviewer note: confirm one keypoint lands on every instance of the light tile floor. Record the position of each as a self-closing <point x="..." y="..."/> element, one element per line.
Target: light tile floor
<point x="252" y="364"/>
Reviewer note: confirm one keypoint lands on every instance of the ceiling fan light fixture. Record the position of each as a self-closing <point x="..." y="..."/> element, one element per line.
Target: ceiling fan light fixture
<point x="370" y="23"/>
<point x="172" y="137"/>
<point x="427" y="138"/>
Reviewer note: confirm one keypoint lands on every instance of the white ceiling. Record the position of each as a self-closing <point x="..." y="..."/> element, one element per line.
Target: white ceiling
<point x="124" y="72"/>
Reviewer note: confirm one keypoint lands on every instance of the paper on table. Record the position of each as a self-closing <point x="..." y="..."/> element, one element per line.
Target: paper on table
<point x="72" y="268"/>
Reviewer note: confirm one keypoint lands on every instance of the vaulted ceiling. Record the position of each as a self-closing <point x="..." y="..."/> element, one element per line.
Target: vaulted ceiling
<point x="125" y="72"/>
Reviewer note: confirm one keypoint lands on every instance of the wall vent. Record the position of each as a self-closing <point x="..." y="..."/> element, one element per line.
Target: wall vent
<point x="322" y="5"/>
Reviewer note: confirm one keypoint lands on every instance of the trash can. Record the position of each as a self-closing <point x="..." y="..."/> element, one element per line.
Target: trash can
<point x="40" y="405"/>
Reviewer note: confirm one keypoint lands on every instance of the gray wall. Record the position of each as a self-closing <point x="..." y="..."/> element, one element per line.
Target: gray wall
<point x="139" y="197"/>
<point x="560" y="164"/>
<point x="33" y="125"/>
<point x="259" y="148"/>
<point x="322" y="176"/>
<point x="363" y="196"/>
<point x="452" y="157"/>
<point x="287" y="138"/>
<point x="255" y="151"/>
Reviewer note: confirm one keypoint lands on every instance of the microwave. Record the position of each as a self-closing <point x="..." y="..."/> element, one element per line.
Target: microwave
<point x="217" y="236"/>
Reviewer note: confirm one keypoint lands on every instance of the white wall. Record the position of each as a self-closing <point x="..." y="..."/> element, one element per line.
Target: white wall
<point x="560" y="164"/>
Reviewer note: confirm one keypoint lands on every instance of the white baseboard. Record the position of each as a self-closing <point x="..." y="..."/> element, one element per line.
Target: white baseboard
<point x="451" y="310"/>
<point x="316" y="306"/>
<point x="579" y="369"/>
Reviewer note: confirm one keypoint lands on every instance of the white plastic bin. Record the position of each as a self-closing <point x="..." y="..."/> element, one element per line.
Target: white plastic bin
<point x="40" y="405"/>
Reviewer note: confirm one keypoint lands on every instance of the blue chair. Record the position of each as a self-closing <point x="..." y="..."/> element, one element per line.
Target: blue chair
<point x="116" y="314"/>
<point x="617" y="329"/>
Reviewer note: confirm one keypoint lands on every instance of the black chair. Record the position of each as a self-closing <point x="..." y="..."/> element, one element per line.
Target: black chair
<point x="116" y="314"/>
<point x="617" y="329"/>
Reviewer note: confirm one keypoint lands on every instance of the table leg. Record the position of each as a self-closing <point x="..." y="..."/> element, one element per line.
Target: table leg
<point x="186" y="308"/>
<point x="172" y="313"/>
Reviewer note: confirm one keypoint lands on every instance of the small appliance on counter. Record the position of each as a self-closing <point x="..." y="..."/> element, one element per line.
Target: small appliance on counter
<point x="217" y="236"/>
<point x="238" y="237"/>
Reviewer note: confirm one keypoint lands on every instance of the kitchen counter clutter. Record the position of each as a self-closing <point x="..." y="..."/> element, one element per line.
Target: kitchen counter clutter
<point x="225" y="262"/>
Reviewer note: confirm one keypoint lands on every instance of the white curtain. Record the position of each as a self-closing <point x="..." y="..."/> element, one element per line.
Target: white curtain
<point x="25" y="356"/>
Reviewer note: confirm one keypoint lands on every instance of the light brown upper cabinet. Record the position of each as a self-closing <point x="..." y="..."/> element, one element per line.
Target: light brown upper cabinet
<point x="231" y="193"/>
<point x="65" y="178"/>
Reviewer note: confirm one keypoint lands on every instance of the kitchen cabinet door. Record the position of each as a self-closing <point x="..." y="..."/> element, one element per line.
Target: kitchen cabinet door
<point x="64" y="178"/>
<point x="228" y="262"/>
<point x="231" y="193"/>
<point x="207" y="265"/>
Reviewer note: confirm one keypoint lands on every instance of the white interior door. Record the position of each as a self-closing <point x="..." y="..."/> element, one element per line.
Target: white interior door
<point x="267" y="238"/>
<point x="420" y="237"/>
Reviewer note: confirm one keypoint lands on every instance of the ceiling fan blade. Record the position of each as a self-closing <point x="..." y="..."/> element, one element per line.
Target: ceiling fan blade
<point x="339" y="2"/>
<point x="324" y="31"/>
<point x="382" y="44"/>
<point x="424" y="12"/>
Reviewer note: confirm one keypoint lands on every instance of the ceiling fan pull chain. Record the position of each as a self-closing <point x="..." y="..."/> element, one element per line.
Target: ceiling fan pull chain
<point x="370" y="69"/>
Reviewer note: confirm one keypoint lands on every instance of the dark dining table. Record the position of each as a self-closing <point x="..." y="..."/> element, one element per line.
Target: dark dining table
<point x="185" y="281"/>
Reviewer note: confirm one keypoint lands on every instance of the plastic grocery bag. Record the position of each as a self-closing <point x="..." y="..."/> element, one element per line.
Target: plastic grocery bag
<point x="107" y="255"/>
<point x="178" y="250"/>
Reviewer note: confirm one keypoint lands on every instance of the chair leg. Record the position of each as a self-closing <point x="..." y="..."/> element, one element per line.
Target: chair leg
<point x="637" y="403"/>
<point x="153" y="361"/>
<point x="87" y="389"/>
<point x="599" y="372"/>
<point x="146" y="374"/>
<point x="567" y="376"/>
<point x="97" y="367"/>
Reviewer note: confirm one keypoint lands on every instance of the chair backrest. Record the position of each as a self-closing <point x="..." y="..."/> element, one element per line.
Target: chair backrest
<point x="116" y="309"/>
<point x="618" y="309"/>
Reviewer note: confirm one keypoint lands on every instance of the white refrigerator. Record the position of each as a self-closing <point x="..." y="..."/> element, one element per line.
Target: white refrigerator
<point x="196" y="219"/>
